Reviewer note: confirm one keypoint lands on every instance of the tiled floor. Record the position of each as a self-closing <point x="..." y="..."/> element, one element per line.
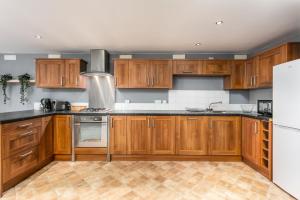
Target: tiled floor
<point x="146" y="180"/>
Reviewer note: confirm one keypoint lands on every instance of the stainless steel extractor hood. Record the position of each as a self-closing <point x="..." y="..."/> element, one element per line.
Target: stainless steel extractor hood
<point x="99" y="65"/>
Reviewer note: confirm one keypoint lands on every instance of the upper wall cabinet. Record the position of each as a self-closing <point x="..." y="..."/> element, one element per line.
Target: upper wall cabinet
<point x="140" y="73"/>
<point x="60" y="73"/>
<point x="237" y="78"/>
<point x="269" y="59"/>
<point x="187" y="67"/>
<point x="216" y="67"/>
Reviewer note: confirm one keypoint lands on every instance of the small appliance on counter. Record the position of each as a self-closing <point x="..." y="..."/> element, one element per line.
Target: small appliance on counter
<point x="47" y="105"/>
<point x="264" y="107"/>
<point x="61" y="105"/>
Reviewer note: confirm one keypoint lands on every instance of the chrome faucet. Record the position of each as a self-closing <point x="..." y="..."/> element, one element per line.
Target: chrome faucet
<point x="213" y="103"/>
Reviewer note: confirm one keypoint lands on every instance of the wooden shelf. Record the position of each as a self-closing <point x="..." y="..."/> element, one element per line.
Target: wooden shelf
<point x="17" y="81"/>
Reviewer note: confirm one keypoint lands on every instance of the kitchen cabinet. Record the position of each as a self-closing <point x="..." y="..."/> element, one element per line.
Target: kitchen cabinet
<point x="251" y="140"/>
<point x="161" y="74"/>
<point x="187" y="67"/>
<point x="162" y="134"/>
<point x="60" y="73"/>
<point x="145" y="74"/>
<point x="138" y="135"/>
<point x="237" y="76"/>
<point x="121" y="73"/>
<point x="216" y="67"/>
<point x="225" y="135"/>
<point x="139" y="73"/>
<point x="191" y="135"/>
<point x="62" y="134"/>
<point x="118" y="134"/>
<point x="268" y="59"/>
<point x="251" y="66"/>
<point x="46" y="139"/>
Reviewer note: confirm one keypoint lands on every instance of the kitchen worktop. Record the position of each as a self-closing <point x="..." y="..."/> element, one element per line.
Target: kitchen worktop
<point x="21" y="115"/>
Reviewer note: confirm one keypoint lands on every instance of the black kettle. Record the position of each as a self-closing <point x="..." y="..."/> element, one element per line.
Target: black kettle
<point x="46" y="104"/>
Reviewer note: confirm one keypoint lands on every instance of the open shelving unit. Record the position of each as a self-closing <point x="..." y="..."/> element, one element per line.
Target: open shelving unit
<point x="266" y="147"/>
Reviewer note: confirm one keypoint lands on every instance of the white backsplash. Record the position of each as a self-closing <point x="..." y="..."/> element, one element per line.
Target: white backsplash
<point x="180" y="99"/>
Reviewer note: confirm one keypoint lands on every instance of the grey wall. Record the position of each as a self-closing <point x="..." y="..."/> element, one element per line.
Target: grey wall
<point x="260" y="94"/>
<point x="25" y="63"/>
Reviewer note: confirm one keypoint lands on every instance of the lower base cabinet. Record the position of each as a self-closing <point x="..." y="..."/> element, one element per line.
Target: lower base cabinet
<point x="46" y="140"/>
<point x="62" y="135"/>
<point x="142" y="135"/>
<point x="191" y="135"/>
<point x="257" y="145"/>
<point x="170" y="135"/>
<point x="225" y="136"/>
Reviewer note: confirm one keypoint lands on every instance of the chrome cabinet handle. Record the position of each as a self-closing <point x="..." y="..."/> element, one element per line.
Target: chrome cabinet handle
<point x="187" y="72"/>
<point x="25" y="134"/>
<point x="26" y="154"/>
<point x="152" y="81"/>
<point x="148" y="81"/>
<point x="25" y="125"/>
<point x="153" y="123"/>
<point x="77" y="81"/>
<point x="254" y="80"/>
<point x="116" y="83"/>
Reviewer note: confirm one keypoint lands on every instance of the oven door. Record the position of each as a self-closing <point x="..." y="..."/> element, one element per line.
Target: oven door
<point x="91" y="134"/>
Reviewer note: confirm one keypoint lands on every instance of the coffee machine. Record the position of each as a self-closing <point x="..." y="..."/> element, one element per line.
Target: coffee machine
<point x="47" y="105"/>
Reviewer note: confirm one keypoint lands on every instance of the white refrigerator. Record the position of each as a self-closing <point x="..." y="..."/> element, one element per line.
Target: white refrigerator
<point x="286" y="127"/>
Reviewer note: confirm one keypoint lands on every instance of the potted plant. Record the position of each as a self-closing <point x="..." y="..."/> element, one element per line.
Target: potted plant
<point x="3" y="81"/>
<point x="24" y="86"/>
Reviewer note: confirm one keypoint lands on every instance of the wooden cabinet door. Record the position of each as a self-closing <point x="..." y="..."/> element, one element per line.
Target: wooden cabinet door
<point x="163" y="134"/>
<point x="237" y="76"/>
<point x="138" y="135"/>
<point x="50" y="73"/>
<point x="117" y="144"/>
<point x="191" y="135"/>
<point x="186" y="67"/>
<point x="251" y="140"/>
<point x="72" y="78"/>
<point x="161" y="74"/>
<point x="216" y="67"/>
<point x="225" y="136"/>
<point x="121" y="73"/>
<point x="139" y="74"/>
<point x="266" y="63"/>
<point x="62" y="134"/>
<point x="46" y="139"/>
<point x="251" y="72"/>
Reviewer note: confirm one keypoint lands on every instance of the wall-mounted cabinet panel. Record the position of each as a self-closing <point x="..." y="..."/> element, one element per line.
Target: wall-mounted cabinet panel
<point x="60" y="73"/>
<point x="139" y="73"/>
<point x="236" y="80"/>
<point x="161" y="74"/>
<point x="216" y="67"/>
<point x="251" y="67"/>
<point x="187" y="67"/>
<point x="121" y="73"/>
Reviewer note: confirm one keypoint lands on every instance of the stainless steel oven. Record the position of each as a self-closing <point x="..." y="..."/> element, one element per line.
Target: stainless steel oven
<point x="90" y="131"/>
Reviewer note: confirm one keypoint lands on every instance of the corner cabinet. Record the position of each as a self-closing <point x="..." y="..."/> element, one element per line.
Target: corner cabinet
<point x="236" y="80"/>
<point x="60" y="73"/>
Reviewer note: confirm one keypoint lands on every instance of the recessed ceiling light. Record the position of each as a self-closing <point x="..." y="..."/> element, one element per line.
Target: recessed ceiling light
<point x="197" y="44"/>
<point x="219" y="22"/>
<point x="38" y="37"/>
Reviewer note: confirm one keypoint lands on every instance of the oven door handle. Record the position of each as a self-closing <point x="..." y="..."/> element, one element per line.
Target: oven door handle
<point x="91" y="122"/>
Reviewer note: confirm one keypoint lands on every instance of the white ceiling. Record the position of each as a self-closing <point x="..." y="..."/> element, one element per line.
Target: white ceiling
<point x="143" y="25"/>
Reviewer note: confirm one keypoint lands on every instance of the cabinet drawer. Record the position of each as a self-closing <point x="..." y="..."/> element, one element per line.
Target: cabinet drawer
<point x="21" y="125"/>
<point x="19" y="163"/>
<point x="18" y="140"/>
